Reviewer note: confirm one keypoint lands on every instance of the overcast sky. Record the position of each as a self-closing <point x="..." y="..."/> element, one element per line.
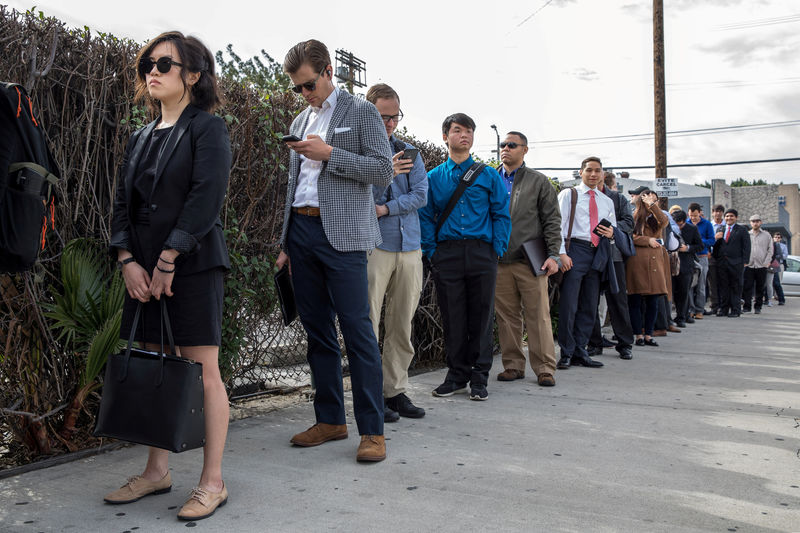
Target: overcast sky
<point x="555" y="70"/>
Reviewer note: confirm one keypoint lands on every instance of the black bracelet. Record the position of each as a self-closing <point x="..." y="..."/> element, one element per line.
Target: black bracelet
<point x="165" y="261"/>
<point x="165" y="271"/>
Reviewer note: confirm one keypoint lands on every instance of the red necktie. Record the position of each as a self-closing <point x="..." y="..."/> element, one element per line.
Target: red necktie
<point x="593" y="217"/>
<point x="728" y="233"/>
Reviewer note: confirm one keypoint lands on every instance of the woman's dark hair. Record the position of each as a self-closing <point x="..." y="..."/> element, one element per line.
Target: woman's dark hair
<point x="642" y="217"/>
<point x="195" y="57"/>
<point x="679" y="215"/>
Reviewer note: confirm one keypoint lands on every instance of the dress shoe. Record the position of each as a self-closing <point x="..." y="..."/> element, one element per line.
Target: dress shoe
<point x="585" y="360"/>
<point x="680" y="324"/>
<point x="203" y="503"/>
<point x="639" y="342"/>
<point x="402" y="405"/>
<point x="137" y="487"/>
<point x="607" y="343"/>
<point x="510" y="374"/>
<point x="781" y="303"/>
<point x="745" y="309"/>
<point x="594" y="350"/>
<point x="448" y="388"/>
<point x="546" y="380"/>
<point x="564" y="362"/>
<point x="650" y="342"/>
<point x="661" y="332"/>
<point x="698" y="316"/>
<point x="708" y="312"/>
<point x="734" y="314"/>
<point x="320" y="433"/>
<point x="757" y="311"/>
<point x="720" y="312"/>
<point x="372" y="449"/>
<point x="625" y="352"/>
<point x="389" y="414"/>
<point x="673" y="329"/>
<point x="690" y="319"/>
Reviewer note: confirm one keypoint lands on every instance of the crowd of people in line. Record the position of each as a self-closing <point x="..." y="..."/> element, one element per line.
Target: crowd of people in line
<point x="361" y="216"/>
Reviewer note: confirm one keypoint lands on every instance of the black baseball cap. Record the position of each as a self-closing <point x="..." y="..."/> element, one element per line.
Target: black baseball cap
<point x="638" y="190"/>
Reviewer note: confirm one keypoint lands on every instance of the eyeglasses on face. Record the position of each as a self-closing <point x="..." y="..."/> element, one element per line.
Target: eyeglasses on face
<point x="396" y="118"/>
<point x="511" y="145"/>
<point x="163" y="64"/>
<point x="309" y="85"/>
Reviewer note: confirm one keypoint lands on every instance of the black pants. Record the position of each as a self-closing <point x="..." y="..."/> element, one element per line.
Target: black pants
<point x="577" y="305"/>
<point x="712" y="279"/>
<point x="649" y="309"/>
<point x="729" y="285"/>
<point x="465" y="273"/>
<point x="776" y="285"/>
<point x="618" y="310"/>
<point x="757" y="277"/>
<point x="681" y="289"/>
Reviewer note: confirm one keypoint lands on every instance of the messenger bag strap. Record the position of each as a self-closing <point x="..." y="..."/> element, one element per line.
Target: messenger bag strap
<point x="466" y="180"/>
<point x="573" y="202"/>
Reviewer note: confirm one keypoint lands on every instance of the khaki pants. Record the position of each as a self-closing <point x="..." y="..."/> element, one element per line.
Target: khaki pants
<point x="398" y="277"/>
<point x="518" y="291"/>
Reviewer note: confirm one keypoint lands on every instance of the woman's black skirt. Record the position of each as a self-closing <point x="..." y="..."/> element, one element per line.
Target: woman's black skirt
<point x="195" y="312"/>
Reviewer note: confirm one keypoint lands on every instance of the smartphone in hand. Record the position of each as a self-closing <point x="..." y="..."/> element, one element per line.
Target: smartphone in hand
<point x="410" y="154"/>
<point x="291" y="138"/>
<point x="605" y="223"/>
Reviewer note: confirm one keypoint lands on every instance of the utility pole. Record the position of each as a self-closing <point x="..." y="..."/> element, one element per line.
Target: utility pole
<point x="660" y="106"/>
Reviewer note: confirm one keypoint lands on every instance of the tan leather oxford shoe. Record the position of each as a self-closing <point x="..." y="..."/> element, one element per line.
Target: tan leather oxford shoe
<point x="372" y="449"/>
<point x="203" y="503"/>
<point x="137" y="487"/>
<point x="320" y="433"/>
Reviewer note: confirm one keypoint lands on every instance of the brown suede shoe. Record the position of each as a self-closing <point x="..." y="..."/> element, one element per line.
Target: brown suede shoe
<point x="203" y="503"/>
<point x="546" y="380"/>
<point x="510" y="374"/>
<point x="698" y="316"/>
<point x="660" y="333"/>
<point x="372" y="449"/>
<point x="319" y="433"/>
<point x="137" y="488"/>
<point x="673" y="329"/>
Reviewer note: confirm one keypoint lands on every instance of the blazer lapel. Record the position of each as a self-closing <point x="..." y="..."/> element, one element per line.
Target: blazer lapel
<point x="294" y="157"/>
<point x="172" y="141"/>
<point x="136" y="154"/>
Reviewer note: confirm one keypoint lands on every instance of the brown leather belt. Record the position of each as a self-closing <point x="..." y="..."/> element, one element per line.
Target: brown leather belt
<point x="307" y="211"/>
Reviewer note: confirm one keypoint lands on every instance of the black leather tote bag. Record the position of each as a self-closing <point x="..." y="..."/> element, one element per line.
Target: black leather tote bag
<point x="153" y="398"/>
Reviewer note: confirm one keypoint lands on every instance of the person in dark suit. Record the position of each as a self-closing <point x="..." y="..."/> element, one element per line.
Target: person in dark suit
<point x="167" y="236"/>
<point x="687" y="255"/>
<point x="329" y="225"/>
<point x="617" y="302"/>
<point x="731" y="252"/>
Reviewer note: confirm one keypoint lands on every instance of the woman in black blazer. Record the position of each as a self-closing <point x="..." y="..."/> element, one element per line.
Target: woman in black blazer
<point x="168" y="240"/>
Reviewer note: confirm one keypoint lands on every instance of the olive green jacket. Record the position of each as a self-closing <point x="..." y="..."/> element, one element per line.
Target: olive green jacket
<point x="534" y="213"/>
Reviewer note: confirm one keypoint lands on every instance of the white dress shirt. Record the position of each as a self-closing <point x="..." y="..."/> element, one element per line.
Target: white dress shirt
<point x="581" y="228"/>
<point x="318" y="122"/>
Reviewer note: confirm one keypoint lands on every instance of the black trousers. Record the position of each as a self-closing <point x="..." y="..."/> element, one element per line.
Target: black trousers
<point x="681" y="289"/>
<point x="465" y="273"/>
<point x="713" y="288"/>
<point x="618" y="310"/>
<point x="776" y="285"/>
<point x="754" y="277"/>
<point x="577" y="306"/>
<point x="729" y="285"/>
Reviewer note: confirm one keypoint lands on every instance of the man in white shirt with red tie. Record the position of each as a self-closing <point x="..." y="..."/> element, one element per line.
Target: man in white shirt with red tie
<point x="580" y="289"/>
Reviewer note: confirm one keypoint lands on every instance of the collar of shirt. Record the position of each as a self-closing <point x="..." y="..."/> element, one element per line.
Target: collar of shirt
<point x="463" y="166"/>
<point x="583" y="188"/>
<point x="508" y="179"/>
<point x="329" y="103"/>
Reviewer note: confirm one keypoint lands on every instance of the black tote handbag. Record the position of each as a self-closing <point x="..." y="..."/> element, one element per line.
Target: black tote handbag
<point x="153" y="398"/>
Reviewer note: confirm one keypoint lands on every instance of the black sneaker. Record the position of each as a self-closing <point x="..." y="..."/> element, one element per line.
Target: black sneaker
<point x="402" y="404"/>
<point x="389" y="414"/>
<point x="448" y="388"/>
<point x="478" y="393"/>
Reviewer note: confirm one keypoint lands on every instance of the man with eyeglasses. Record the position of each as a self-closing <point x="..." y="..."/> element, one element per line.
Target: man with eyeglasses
<point x="329" y="225"/>
<point x="463" y="248"/>
<point x="394" y="267"/>
<point x="534" y="211"/>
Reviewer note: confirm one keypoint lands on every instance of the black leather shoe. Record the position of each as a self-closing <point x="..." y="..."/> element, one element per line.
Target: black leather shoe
<point x="720" y="312"/>
<point x="607" y="343"/>
<point x="389" y="414"/>
<point x="733" y="314"/>
<point x="650" y="342"/>
<point x="625" y="352"/>
<point x="707" y="312"/>
<point x="594" y="350"/>
<point x="639" y="342"/>
<point x="564" y="363"/>
<point x="757" y="311"/>
<point x="680" y="324"/>
<point x="745" y="309"/>
<point x="402" y="404"/>
<point x="585" y="360"/>
<point x="690" y="320"/>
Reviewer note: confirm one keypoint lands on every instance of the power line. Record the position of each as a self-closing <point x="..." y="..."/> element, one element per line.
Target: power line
<point x="686" y="165"/>
<point x="526" y="19"/>
<point x="755" y="23"/>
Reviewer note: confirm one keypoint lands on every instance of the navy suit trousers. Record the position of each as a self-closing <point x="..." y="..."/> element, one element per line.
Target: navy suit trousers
<point x="578" y="300"/>
<point x="329" y="283"/>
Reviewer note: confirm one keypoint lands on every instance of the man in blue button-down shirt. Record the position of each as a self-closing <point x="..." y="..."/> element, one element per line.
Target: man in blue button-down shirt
<point x="464" y="258"/>
<point x="394" y="270"/>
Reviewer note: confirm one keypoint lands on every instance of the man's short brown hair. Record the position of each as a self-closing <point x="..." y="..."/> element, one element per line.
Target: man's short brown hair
<point x="381" y="90"/>
<point x="694" y="206"/>
<point x="718" y="207"/>
<point x="312" y="52"/>
<point x="609" y="179"/>
<point x="589" y="159"/>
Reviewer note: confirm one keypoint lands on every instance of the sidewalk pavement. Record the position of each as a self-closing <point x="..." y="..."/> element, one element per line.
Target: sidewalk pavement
<point x="700" y="434"/>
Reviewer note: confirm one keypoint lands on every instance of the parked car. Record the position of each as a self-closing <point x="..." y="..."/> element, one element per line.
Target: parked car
<point x="791" y="276"/>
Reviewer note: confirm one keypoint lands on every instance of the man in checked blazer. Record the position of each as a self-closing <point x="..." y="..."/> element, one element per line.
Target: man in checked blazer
<point x="329" y="225"/>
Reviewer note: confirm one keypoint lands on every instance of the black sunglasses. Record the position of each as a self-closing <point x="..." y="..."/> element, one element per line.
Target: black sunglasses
<point x="511" y="145"/>
<point x="309" y="85"/>
<point x="163" y="64"/>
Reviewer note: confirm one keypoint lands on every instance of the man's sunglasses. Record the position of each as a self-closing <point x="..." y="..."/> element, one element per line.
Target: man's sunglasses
<point x="511" y="145"/>
<point x="163" y="64"/>
<point x="388" y="118"/>
<point x="309" y="85"/>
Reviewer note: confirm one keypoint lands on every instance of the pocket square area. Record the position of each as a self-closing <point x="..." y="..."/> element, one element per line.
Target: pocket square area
<point x="341" y="130"/>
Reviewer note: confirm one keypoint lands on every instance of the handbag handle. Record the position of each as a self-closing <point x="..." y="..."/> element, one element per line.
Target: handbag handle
<point x="164" y="321"/>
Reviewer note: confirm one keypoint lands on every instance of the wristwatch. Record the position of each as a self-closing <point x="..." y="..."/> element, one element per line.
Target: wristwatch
<point x="125" y="261"/>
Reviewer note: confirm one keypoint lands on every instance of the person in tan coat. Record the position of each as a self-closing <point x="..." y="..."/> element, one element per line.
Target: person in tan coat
<point x="647" y="272"/>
